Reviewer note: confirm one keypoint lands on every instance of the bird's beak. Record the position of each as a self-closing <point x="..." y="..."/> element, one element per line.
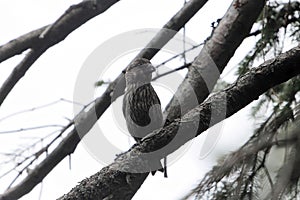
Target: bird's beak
<point x="152" y="69"/>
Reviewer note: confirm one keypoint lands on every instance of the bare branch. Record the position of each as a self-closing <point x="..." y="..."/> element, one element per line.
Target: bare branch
<point x="40" y="107"/>
<point x="186" y="65"/>
<point x="19" y="72"/>
<point x="20" y="44"/>
<point x="254" y="33"/>
<point x="35" y="155"/>
<point x="180" y="54"/>
<point x="21" y="172"/>
<point x="68" y="144"/>
<point x="73" y="18"/>
<point x="31" y="128"/>
<point x="269" y="177"/>
<point x="172" y="71"/>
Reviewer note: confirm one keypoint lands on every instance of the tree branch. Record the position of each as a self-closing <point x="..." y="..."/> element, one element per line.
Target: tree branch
<point x="19" y="72"/>
<point x="175" y="24"/>
<point x="216" y="53"/>
<point x="112" y="92"/>
<point x="261" y="140"/>
<point x="88" y="119"/>
<point x="20" y="44"/>
<point x="73" y="18"/>
<point x="116" y="88"/>
<point x="288" y="174"/>
<point x="106" y="183"/>
<point x="172" y="71"/>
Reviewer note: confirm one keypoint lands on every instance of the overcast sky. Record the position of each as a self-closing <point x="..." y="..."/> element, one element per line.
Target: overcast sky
<point x="54" y="76"/>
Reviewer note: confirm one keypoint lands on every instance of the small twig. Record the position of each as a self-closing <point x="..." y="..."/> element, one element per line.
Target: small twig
<point x="269" y="177"/>
<point x="72" y="102"/>
<point x="186" y="65"/>
<point x="177" y="55"/>
<point x="20" y="172"/>
<point x="35" y="156"/>
<point x="30" y="128"/>
<point x="255" y="33"/>
<point x="40" y="107"/>
<point x="61" y="132"/>
<point x="29" y="110"/>
<point x="38" y="153"/>
<point x="35" y="143"/>
<point x="172" y="71"/>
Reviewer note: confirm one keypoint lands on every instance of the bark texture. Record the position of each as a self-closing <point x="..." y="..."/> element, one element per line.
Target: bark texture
<point x="246" y="89"/>
<point x="216" y="53"/>
<point x="113" y="91"/>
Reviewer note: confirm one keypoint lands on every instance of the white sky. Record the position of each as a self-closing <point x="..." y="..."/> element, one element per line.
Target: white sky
<point x="54" y="75"/>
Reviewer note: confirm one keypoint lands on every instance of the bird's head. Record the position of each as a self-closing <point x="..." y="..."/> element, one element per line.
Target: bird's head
<point x="139" y="71"/>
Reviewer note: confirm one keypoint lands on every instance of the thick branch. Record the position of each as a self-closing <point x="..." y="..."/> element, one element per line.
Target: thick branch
<point x="73" y="18"/>
<point x="206" y="69"/>
<point x="20" y="44"/>
<point x="114" y="90"/>
<point x="247" y="88"/>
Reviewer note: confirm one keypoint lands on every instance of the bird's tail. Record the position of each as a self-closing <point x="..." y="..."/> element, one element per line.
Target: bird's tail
<point x="159" y="167"/>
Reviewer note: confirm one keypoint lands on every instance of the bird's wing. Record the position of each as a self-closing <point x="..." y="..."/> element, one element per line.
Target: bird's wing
<point x="145" y="99"/>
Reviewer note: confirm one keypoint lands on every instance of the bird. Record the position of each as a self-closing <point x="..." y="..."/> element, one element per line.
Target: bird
<point x="141" y="105"/>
